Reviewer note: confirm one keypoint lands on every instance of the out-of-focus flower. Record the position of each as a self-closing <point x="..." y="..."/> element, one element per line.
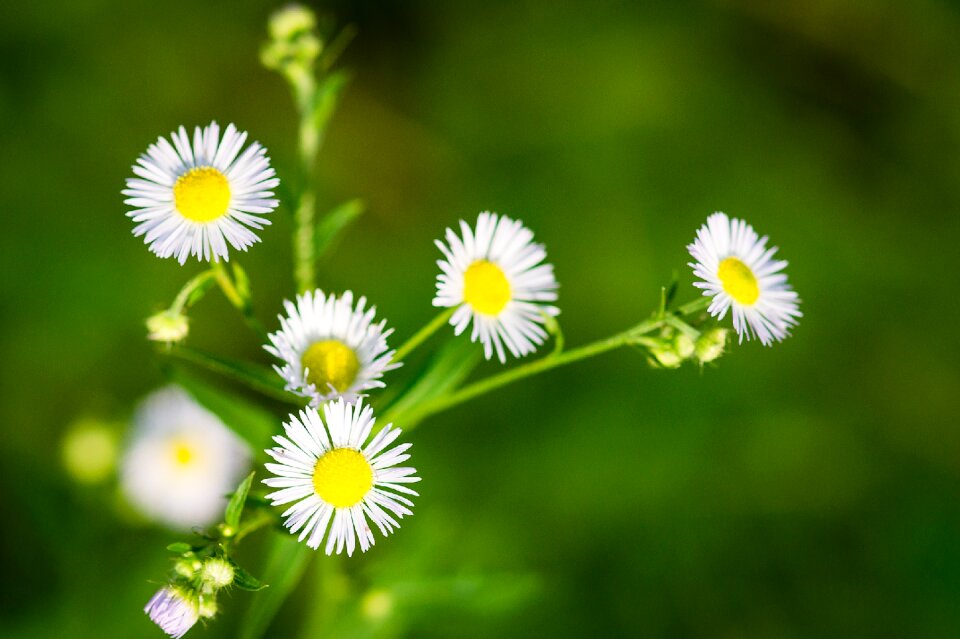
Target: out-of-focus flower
<point x="194" y="199"/>
<point x="337" y="478"/>
<point x="90" y="451"/>
<point x="739" y="272"/>
<point x="181" y="461"/>
<point x="330" y="347"/>
<point x="494" y="274"/>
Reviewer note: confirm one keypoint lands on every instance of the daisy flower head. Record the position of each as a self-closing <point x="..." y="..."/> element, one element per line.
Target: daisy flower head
<point x="739" y="272"/>
<point x="337" y="479"/>
<point x="174" y="610"/>
<point x="330" y="347"/>
<point x="495" y="276"/>
<point x="181" y="460"/>
<point x="194" y="199"/>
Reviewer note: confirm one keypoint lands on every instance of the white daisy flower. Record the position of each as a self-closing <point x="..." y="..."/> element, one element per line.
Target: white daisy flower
<point x="194" y="199"/>
<point x="338" y="481"/>
<point x="181" y="461"/>
<point x="739" y="272"/>
<point x="494" y="275"/>
<point x="174" y="610"/>
<point x="330" y="348"/>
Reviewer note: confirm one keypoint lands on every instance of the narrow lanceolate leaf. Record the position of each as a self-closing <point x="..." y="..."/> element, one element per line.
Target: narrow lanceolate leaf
<point x="334" y="223"/>
<point x="327" y="97"/>
<point x="256" y="377"/>
<point x="286" y="561"/>
<point x="245" y="581"/>
<point x="250" y="422"/>
<point x="180" y="547"/>
<point x="237" y="502"/>
<point x="445" y="372"/>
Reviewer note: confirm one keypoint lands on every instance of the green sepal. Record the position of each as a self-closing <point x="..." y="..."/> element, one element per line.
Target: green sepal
<point x="245" y="581"/>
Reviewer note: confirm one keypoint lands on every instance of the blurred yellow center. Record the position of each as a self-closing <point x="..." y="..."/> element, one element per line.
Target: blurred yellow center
<point x="486" y="288"/>
<point x="738" y="281"/>
<point x="342" y="477"/>
<point x="181" y="452"/>
<point x="202" y="194"/>
<point x="330" y="363"/>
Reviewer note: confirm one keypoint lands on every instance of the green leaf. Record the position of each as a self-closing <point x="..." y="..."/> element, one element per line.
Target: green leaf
<point x="256" y="377"/>
<point x="286" y="561"/>
<point x="245" y="581"/>
<point x="445" y="372"/>
<point x="200" y="289"/>
<point x="237" y="502"/>
<point x="249" y="421"/>
<point x="327" y="96"/>
<point x="334" y="223"/>
<point x="180" y="547"/>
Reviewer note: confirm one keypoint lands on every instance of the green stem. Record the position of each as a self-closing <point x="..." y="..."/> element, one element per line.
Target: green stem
<point x="633" y="335"/>
<point x="423" y="334"/>
<point x="304" y="87"/>
<point x="239" y="302"/>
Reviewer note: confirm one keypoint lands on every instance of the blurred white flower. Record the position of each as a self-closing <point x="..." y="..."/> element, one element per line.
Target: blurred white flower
<point x="194" y="199"/>
<point x="739" y="272"/>
<point x="330" y="348"/>
<point x="496" y="277"/>
<point x="181" y="461"/>
<point x="338" y="479"/>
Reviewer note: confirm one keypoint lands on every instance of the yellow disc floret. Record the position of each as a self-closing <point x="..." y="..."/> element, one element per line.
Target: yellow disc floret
<point x="485" y="287"/>
<point x="342" y="477"/>
<point x="329" y="363"/>
<point x="738" y="281"/>
<point x="181" y="451"/>
<point x="202" y="194"/>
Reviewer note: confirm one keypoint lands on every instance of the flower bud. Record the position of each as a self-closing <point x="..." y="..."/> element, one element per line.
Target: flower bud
<point x="186" y="568"/>
<point x="683" y="345"/>
<point x="208" y="607"/>
<point x="174" y="609"/>
<point x="168" y="326"/>
<point x="217" y="573"/>
<point x="287" y="22"/>
<point x="711" y="344"/>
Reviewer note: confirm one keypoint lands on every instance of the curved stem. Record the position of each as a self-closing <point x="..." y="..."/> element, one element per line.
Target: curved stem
<point x="423" y="334"/>
<point x="239" y="302"/>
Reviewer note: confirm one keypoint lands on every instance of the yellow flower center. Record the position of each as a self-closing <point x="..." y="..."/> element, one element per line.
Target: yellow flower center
<point x="330" y="363"/>
<point x="485" y="287"/>
<point x="342" y="477"/>
<point x="202" y="194"/>
<point x="182" y="452"/>
<point x="738" y="281"/>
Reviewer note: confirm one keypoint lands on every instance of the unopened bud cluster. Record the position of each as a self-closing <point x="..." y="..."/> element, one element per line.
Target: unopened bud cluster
<point x="673" y="347"/>
<point x="168" y="326"/>
<point x="294" y="44"/>
<point x="191" y="594"/>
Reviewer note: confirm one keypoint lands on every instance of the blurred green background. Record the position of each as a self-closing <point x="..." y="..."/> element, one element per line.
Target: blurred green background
<point x="806" y="490"/>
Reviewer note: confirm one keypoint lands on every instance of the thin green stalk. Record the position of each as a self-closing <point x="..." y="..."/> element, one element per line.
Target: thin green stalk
<point x="239" y="302"/>
<point x="423" y="334"/>
<point x="304" y="87"/>
<point x="633" y="335"/>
